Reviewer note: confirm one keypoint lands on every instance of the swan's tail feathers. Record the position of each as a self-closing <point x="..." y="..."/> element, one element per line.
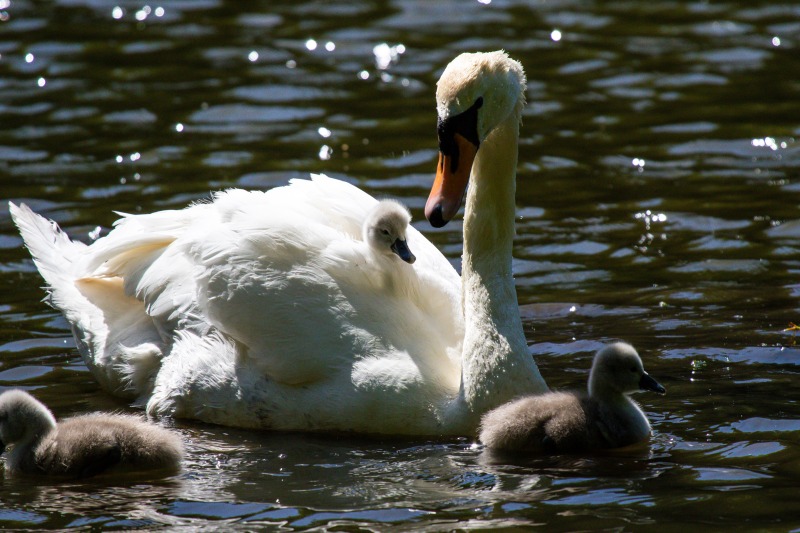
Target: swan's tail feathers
<point x="112" y="331"/>
<point x="54" y="254"/>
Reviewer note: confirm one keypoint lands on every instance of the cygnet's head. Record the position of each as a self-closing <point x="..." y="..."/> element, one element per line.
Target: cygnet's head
<point x="22" y="416"/>
<point x="618" y="369"/>
<point x="385" y="229"/>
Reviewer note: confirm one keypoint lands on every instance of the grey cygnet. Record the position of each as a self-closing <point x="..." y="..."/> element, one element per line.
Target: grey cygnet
<point x="81" y="446"/>
<point x="568" y="422"/>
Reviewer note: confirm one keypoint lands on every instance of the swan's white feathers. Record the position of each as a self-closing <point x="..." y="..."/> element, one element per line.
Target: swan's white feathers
<point x="276" y="288"/>
<point x="104" y="321"/>
<point x="268" y="309"/>
<point x="209" y="378"/>
<point x="304" y="278"/>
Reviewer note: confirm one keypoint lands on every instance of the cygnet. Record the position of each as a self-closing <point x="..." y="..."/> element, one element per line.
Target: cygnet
<point x="568" y="422"/>
<point x="385" y="229"/>
<point x="81" y="446"/>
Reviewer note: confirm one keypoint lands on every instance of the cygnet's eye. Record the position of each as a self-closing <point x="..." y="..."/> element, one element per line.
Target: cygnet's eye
<point x="634" y="369"/>
<point x="385" y="232"/>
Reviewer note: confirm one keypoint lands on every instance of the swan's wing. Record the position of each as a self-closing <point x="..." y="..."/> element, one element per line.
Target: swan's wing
<point x="145" y="252"/>
<point x="265" y="282"/>
<point x="281" y="273"/>
<point x="307" y="299"/>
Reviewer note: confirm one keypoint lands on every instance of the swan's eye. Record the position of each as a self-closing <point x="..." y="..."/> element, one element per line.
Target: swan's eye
<point x="464" y="124"/>
<point x="634" y="369"/>
<point x="385" y="232"/>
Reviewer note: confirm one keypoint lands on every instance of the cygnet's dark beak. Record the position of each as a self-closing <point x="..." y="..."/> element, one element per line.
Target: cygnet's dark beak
<point x="400" y="247"/>
<point x="648" y="383"/>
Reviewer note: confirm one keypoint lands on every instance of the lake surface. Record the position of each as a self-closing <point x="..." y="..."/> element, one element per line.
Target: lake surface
<point x="658" y="195"/>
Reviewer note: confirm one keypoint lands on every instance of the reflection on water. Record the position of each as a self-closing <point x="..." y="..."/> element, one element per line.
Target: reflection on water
<point x="657" y="203"/>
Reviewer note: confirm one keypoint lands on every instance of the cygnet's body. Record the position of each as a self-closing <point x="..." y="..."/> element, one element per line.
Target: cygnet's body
<point x="81" y="446"/>
<point x="385" y="229"/>
<point x="568" y="422"/>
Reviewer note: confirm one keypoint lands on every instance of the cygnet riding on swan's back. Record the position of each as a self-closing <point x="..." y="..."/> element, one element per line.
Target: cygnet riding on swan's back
<point x="81" y="446"/>
<point x="261" y="309"/>
<point x="562" y="422"/>
<point x="385" y="229"/>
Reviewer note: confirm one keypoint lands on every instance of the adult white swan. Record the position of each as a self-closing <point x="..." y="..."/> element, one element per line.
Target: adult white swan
<point x="267" y="310"/>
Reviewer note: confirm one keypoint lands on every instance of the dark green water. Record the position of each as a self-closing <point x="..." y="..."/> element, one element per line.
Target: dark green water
<point x="658" y="203"/>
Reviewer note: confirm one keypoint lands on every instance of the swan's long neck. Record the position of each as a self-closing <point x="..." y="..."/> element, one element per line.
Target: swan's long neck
<point x="497" y="366"/>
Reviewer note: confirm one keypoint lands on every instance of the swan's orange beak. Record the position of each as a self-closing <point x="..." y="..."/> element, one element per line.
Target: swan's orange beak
<point x="452" y="177"/>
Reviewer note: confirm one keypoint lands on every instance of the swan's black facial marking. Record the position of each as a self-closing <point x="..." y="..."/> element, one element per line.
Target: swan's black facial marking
<point x="466" y="125"/>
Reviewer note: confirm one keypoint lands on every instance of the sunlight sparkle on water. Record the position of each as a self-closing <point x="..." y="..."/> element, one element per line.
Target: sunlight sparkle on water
<point x="5" y="4"/>
<point x="330" y="46"/>
<point x="385" y="55"/>
<point x="179" y="127"/>
<point x="776" y="41"/>
<point x="766" y="142"/>
<point x="555" y="35"/>
<point x="95" y="233"/>
<point x="311" y="44"/>
<point x="159" y="11"/>
<point x="29" y="58"/>
<point x="117" y="13"/>
<point x="649" y="217"/>
<point x="253" y="56"/>
<point x="324" y="132"/>
<point x="143" y="13"/>
<point x="364" y="75"/>
<point x="325" y="152"/>
<point x="41" y="82"/>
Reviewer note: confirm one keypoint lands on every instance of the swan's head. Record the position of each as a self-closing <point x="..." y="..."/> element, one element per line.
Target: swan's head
<point x="475" y="93"/>
<point x="22" y="417"/>
<point x="618" y="369"/>
<point x="385" y="229"/>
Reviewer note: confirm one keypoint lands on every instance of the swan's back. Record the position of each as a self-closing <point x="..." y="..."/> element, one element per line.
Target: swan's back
<point x="294" y="299"/>
<point x="307" y="298"/>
